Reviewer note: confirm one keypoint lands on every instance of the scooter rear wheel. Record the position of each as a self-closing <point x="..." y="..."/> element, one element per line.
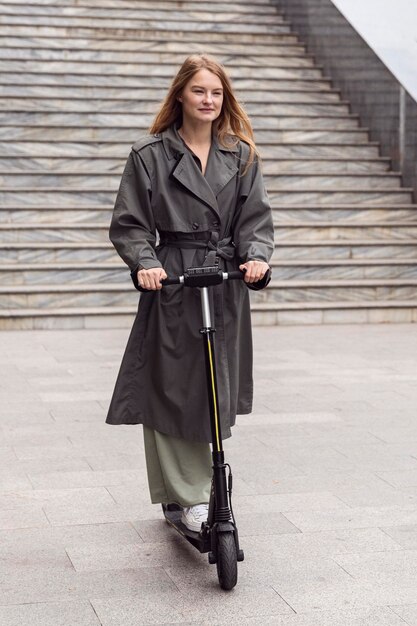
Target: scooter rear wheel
<point x="226" y="560"/>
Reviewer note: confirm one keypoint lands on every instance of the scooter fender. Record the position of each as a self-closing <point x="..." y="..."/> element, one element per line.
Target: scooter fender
<point x="218" y="527"/>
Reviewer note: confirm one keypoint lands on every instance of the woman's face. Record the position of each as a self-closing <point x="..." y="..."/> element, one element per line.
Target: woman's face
<point x="202" y="97"/>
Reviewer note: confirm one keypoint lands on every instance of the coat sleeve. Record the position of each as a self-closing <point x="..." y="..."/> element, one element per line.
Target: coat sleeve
<point x="132" y="228"/>
<point x="253" y="228"/>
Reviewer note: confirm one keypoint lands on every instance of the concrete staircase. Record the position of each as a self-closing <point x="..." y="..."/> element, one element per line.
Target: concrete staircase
<point x="81" y="81"/>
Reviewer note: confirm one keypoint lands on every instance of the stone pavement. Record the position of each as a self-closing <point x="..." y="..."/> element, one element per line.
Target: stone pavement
<point x="325" y="488"/>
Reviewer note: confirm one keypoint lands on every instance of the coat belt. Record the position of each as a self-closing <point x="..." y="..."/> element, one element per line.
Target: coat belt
<point x="224" y="248"/>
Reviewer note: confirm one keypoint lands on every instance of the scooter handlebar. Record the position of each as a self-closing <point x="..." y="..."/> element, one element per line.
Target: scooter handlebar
<point x="202" y="277"/>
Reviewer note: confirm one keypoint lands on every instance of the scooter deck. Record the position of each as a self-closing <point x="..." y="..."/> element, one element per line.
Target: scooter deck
<point x="173" y="517"/>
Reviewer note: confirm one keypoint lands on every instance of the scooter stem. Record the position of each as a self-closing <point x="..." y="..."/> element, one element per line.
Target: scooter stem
<point x="222" y="510"/>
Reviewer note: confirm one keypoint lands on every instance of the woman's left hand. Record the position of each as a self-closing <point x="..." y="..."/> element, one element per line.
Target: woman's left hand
<point x="255" y="270"/>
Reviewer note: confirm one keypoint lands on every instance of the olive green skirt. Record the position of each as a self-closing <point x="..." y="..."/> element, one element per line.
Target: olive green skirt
<point x="178" y="470"/>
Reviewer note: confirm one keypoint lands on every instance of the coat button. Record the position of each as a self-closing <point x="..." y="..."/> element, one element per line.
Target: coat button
<point x="195" y="225"/>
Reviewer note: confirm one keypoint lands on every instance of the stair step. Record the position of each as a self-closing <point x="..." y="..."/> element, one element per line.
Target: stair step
<point x="57" y="252"/>
<point x="143" y="71"/>
<point x="262" y="314"/>
<point x="342" y="165"/>
<point x="104" y="167"/>
<point x="300" y="250"/>
<point x="30" y="296"/>
<point x="122" y="17"/>
<point x="51" y="86"/>
<point x="10" y="49"/>
<point x="336" y="249"/>
<point x="114" y="122"/>
<point x="171" y="47"/>
<point x="360" y="216"/>
<point x="242" y="5"/>
<point x="88" y="133"/>
<point x="190" y="31"/>
<point x="402" y="195"/>
<point x="226" y="23"/>
<point x="333" y="290"/>
<point x="236" y="7"/>
<point x="79" y="197"/>
<point x="349" y="214"/>
<point x="116" y="272"/>
<point x="28" y="112"/>
<point x="31" y="98"/>
<point x="312" y="180"/>
<point x="106" y="181"/>
<point x="338" y="312"/>
<point x="91" y="150"/>
<point x="98" y="232"/>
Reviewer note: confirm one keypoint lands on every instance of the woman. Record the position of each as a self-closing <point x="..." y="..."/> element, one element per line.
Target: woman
<point x="195" y="182"/>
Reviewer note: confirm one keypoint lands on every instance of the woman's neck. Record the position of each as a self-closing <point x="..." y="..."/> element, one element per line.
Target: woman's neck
<point x="195" y="134"/>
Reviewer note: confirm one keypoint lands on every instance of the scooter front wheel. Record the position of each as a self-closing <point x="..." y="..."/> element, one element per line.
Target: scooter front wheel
<point x="226" y="560"/>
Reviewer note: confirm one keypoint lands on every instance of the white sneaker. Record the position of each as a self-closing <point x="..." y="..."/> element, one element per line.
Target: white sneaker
<point x="194" y="516"/>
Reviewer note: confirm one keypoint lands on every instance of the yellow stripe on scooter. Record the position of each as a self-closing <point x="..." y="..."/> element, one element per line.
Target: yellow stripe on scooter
<point x="216" y="417"/>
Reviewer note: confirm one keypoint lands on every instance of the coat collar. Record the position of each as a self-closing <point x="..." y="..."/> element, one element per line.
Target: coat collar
<point x="221" y="167"/>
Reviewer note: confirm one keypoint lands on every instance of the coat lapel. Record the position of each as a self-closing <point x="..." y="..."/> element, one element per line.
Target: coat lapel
<point x="221" y="167"/>
<point x="189" y="175"/>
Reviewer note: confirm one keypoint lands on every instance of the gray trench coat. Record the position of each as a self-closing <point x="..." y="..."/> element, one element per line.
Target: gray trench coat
<point x="161" y="382"/>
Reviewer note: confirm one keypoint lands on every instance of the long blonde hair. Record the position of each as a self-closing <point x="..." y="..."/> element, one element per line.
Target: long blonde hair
<point x="233" y="120"/>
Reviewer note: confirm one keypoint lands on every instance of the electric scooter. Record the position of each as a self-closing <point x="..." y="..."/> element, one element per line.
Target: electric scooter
<point x="219" y="535"/>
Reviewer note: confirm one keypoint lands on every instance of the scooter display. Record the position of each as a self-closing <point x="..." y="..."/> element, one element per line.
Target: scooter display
<point x="219" y="535"/>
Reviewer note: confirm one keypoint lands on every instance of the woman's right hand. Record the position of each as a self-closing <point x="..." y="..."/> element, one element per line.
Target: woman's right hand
<point x="151" y="279"/>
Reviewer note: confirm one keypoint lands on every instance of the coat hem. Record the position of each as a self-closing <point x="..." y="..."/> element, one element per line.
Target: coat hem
<point x="226" y="432"/>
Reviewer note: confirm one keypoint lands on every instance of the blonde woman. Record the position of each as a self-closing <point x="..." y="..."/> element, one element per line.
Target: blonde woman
<point x="195" y="184"/>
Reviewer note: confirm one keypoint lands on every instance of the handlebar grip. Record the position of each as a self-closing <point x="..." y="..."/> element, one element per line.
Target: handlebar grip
<point x="235" y="275"/>
<point x="171" y="280"/>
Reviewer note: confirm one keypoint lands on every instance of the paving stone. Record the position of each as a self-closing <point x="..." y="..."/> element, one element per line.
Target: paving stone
<point x="13" y="478"/>
<point x="405" y="536"/>
<point x="325" y="543"/>
<point x="408" y="613"/>
<point x="404" y="478"/>
<point x="273" y="503"/>
<point x="77" y="613"/>
<point x="33" y="466"/>
<point x="375" y="495"/>
<point x="138" y="555"/>
<point x="354" y="517"/>
<point x="14" y="499"/>
<point x="117" y="461"/>
<point x="30" y="517"/>
<point x="66" y="515"/>
<point x="23" y="587"/>
<point x="69" y="480"/>
<point x="52" y="452"/>
<point x="374" y="616"/>
<point x="70" y="536"/>
<point x="152" y="608"/>
<point x="339" y="482"/>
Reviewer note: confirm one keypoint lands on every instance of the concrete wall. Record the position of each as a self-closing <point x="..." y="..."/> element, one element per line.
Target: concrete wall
<point x="374" y="92"/>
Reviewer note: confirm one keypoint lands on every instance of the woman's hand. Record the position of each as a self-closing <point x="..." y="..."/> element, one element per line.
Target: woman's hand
<point x="151" y="279"/>
<point x="255" y="270"/>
